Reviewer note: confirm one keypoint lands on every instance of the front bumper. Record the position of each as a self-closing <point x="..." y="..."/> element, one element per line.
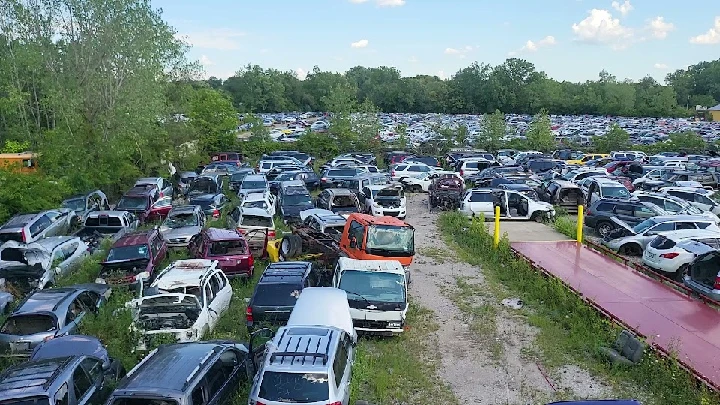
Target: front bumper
<point x="378" y="328"/>
<point x="389" y="212"/>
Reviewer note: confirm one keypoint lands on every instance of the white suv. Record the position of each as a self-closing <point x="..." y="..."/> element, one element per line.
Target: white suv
<point x="403" y="170"/>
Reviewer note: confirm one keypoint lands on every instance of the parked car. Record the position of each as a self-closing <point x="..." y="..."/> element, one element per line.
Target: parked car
<point x="26" y="228"/>
<point x="324" y="221"/>
<point x="205" y="184"/>
<point x="165" y="188"/>
<point x="673" y="205"/>
<point x="703" y="273"/>
<point x="182" y="223"/>
<point x="666" y="253"/>
<point x="83" y="346"/>
<point x="228" y="247"/>
<point x="698" y="198"/>
<point x="134" y="258"/>
<point x="562" y="193"/>
<point x="202" y="373"/>
<point x="338" y="200"/>
<point x="47" y="314"/>
<point x="138" y="201"/>
<point x="256" y="224"/>
<point x="632" y="240"/>
<point x="253" y="183"/>
<point x="112" y="225"/>
<point x="275" y="294"/>
<point x="263" y="199"/>
<point x="237" y="178"/>
<point x="83" y="204"/>
<point x="334" y="177"/>
<point x="599" y="215"/>
<point x="185" y="300"/>
<point x="385" y="200"/>
<point x="212" y="205"/>
<point x="159" y="209"/>
<point x="292" y="199"/>
<point x="599" y="188"/>
<point x="513" y="205"/>
<point x="183" y="182"/>
<point x="37" y="265"/>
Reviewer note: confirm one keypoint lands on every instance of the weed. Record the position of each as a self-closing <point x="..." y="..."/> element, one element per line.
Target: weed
<point x="481" y="315"/>
<point x="570" y="330"/>
<point x="437" y="254"/>
<point x="566" y="225"/>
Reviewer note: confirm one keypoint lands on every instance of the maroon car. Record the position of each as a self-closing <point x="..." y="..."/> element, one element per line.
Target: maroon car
<point x="159" y="209"/>
<point x="134" y="257"/>
<point x="228" y="247"/>
<point x="138" y="201"/>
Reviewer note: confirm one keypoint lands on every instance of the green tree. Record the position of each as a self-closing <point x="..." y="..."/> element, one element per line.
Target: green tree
<point x="688" y="142"/>
<point x="492" y="132"/>
<point x="615" y="139"/>
<point x="539" y="134"/>
<point x="215" y="120"/>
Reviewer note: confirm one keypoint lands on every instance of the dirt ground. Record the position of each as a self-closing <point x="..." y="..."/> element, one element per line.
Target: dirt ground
<point x="488" y="349"/>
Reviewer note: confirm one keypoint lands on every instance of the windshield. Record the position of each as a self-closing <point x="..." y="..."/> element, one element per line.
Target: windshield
<point x="569" y="175"/>
<point x="27" y="401"/>
<point x="227" y="247"/>
<point x="132" y="203"/>
<point x="617" y="192"/>
<point x="128" y="253"/>
<point x="257" y="220"/>
<point x="285" y="176"/>
<point x="391" y="238"/>
<point x="203" y="186"/>
<point x="276" y="294"/>
<point x="248" y="185"/>
<point x="204" y="203"/>
<point x="180" y="220"/>
<point x="294" y="387"/>
<point x="644" y="225"/>
<point x="77" y="204"/>
<point x="374" y="286"/>
<point x="238" y="176"/>
<point x="388" y="192"/>
<point x="297" y="199"/>
<point x="344" y="201"/>
<point x="28" y="324"/>
<point x="143" y="401"/>
<point x="255" y="204"/>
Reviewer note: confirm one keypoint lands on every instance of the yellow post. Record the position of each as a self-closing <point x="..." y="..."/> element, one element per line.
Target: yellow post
<point x="580" y="220"/>
<point x="496" y="235"/>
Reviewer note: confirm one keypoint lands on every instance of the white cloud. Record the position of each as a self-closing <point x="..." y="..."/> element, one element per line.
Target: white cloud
<point x="460" y="52"/>
<point x="360" y="44"/>
<point x="468" y="47"/>
<point x="661" y="66"/>
<point x="413" y="59"/>
<point x="512" y="53"/>
<point x="223" y="39"/>
<point x="601" y="28"/>
<point x="301" y="73"/>
<point x="660" y="28"/>
<point x="441" y="75"/>
<point x="712" y="36"/>
<point x="452" y="51"/>
<point x="623" y="8"/>
<point x="390" y="3"/>
<point x="205" y="61"/>
<point x="532" y="46"/>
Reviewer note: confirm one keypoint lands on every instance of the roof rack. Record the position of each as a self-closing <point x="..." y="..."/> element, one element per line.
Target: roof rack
<point x="293" y="353"/>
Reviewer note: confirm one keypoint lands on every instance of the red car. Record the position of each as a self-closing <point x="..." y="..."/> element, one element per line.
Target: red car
<point x="159" y="209"/>
<point x="134" y="258"/>
<point x="138" y="201"/>
<point x="228" y="247"/>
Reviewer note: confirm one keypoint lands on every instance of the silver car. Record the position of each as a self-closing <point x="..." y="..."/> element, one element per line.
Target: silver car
<point x="182" y="223"/>
<point x="28" y="228"/>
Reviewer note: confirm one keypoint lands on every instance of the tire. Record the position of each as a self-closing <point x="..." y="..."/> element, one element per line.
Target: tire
<point x="680" y="273"/>
<point x="291" y="246"/>
<point x="603" y="228"/>
<point x="539" y="217"/>
<point x="415" y="189"/>
<point x="630" y="249"/>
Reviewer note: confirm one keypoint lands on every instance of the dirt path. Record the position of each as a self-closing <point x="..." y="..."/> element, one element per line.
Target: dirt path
<point x="487" y="348"/>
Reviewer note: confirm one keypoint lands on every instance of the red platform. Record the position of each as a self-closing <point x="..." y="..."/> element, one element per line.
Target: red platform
<point x="669" y="320"/>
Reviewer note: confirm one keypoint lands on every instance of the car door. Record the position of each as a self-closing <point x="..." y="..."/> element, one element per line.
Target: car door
<point x="481" y="202"/>
<point x="60" y="223"/>
<point x="75" y="313"/>
<point x="705" y="204"/>
<point x="87" y="381"/>
<point x="367" y="200"/>
<point x="222" y="290"/>
<point x="342" y="369"/>
<point x="209" y="315"/>
<point x="626" y="213"/>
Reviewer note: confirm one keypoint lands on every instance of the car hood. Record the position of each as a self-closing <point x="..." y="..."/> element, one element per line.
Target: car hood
<point x="622" y="229"/>
<point x="182" y="232"/>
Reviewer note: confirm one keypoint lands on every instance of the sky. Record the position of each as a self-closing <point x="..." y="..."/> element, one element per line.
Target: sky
<point x="568" y="39"/>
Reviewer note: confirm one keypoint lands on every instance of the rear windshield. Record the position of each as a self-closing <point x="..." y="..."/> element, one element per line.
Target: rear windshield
<point x="238" y="176"/>
<point x="133" y="203"/>
<point x="128" y="253"/>
<point x="256" y="220"/>
<point x="294" y="387"/>
<point x="276" y="294"/>
<point x="27" y="401"/>
<point x="204" y="185"/>
<point x="227" y="247"/>
<point x="103" y="221"/>
<point x="143" y="401"/>
<point x="253" y="184"/>
<point x="28" y="324"/>
<point x="342" y="173"/>
<point x="343" y="201"/>
<point x="6" y="236"/>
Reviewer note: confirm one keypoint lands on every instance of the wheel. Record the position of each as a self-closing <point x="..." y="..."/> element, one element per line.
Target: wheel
<point x="287" y="248"/>
<point x="538" y="217"/>
<point x="415" y="188"/>
<point x="603" y="228"/>
<point x="680" y="273"/>
<point x="630" y="249"/>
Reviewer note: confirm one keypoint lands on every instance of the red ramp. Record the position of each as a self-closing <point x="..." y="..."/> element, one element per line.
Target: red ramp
<point x="669" y="320"/>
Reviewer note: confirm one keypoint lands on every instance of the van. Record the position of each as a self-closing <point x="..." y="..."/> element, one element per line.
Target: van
<point x="376" y="292"/>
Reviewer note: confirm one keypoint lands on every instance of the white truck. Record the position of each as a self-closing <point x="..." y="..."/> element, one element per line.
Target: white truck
<point x="376" y="292"/>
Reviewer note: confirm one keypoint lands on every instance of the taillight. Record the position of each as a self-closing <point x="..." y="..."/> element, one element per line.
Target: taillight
<point x="392" y="173"/>
<point x="241" y="231"/>
<point x="336" y="403"/>
<point x="717" y="283"/>
<point x="24" y="237"/>
<point x="251" y="261"/>
<point x="271" y="234"/>
<point x="248" y="314"/>
<point x="216" y="213"/>
<point x="669" y="255"/>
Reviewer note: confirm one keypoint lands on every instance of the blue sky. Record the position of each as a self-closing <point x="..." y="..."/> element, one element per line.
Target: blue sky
<point x="568" y="39"/>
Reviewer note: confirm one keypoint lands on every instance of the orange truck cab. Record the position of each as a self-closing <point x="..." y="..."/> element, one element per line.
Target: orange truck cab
<point x="366" y="237"/>
<point x="18" y="162"/>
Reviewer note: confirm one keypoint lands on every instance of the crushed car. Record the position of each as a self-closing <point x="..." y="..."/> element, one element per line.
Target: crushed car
<point x="181" y="224"/>
<point x="133" y="258"/>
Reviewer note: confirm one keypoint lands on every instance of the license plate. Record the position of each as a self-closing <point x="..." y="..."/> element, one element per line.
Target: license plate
<point x="16" y="347"/>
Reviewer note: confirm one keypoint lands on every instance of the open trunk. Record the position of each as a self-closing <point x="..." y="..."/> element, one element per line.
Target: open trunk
<point x="705" y="269"/>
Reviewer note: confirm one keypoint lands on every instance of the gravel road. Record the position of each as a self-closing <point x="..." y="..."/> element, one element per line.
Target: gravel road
<point x="484" y="360"/>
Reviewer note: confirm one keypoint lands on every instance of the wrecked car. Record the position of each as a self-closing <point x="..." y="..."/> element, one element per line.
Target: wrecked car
<point x="186" y="300"/>
<point x="36" y="265"/>
<point x="385" y="200"/>
<point x="182" y="223"/>
<point x="28" y="228"/>
<point x="133" y="258"/>
<point x="83" y="204"/>
<point x="446" y="193"/>
<point x="562" y="193"/>
<point x="106" y="224"/>
<point x="228" y="247"/>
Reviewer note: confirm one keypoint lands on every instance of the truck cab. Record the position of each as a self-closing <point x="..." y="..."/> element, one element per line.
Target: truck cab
<point x="366" y="237"/>
<point x="376" y="293"/>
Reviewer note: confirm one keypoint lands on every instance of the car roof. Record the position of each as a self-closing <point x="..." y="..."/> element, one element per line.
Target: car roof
<point x="305" y="312"/>
<point x="204" y="197"/>
<point x="48" y="243"/>
<point x="135" y="238"/>
<point x="677" y="218"/>
<point x="148" y="180"/>
<point x="140" y="191"/>
<point x="78" y="345"/>
<point x="183" y="273"/>
<point x="258" y="212"/>
<point x="32" y="378"/>
<point x="217" y="234"/>
<point x="44" y="300"/>
<point x="255" y="177"/>
<point x="340" y="191"/>
<point x="19" y="221"/>
<point x="259" y="196"/>
<point x="182" y="209"/>
<point x="169" y="368"/>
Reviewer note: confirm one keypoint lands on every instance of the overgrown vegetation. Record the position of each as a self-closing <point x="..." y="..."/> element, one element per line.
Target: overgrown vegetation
<point x="570" y="330"/>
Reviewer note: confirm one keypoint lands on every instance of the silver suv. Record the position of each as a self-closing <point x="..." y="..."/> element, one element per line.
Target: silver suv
<point x="26" y="228"/>
<point x="305" y="364"/>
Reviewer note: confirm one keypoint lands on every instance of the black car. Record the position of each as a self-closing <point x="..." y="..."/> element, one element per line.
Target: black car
<point x="211" y="204"/>
<point x="293" y="199"/>
<point x="276" y="292"/>
<point x="428" y="160"/>
<point x="335" y="177"/>
<point x="600" y="214"/>
<point x="237" y="177"/>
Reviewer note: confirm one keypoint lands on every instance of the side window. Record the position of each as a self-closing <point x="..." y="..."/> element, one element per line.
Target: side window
<point x="209" y="296"/>
<point x="702" y="225"/>
<point x="340" y="362"/>
<point x="40" y="225"/>
<point x="481" y="197"/>
<point x="702" y="199"/>
<point x="198" y="395"/>
<point x="62" y="395"/>
<point x="623" y="209"/>
<point x="605" y="207"/>
<point x="89" y="300"/>
<point x="93" y="368"/>
<point x="74" y="310"/>
<point x="685" y="225"/>
<point x="220" y="373"/>
<point x="663" y="227"/>
<point x="215" y="284"/>
<point x="357" y="231"/>
<point x="643" y="212"/>
<point x="81" y="383"/>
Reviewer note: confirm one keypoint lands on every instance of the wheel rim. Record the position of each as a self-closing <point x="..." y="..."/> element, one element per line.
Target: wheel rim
<point x="604" y="229"/>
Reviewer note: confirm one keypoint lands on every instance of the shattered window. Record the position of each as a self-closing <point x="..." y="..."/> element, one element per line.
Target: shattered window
<point x="294" y="387"/>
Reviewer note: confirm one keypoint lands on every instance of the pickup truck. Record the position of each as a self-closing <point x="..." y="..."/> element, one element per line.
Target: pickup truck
<point x="99" y="225"/>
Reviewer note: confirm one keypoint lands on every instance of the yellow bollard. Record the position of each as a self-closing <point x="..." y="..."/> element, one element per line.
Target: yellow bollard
<point x="496" y="235"/>
<point x="580" y="220"/>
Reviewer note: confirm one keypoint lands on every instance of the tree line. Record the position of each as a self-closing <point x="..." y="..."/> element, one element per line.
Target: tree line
<point x="515" y="86"/>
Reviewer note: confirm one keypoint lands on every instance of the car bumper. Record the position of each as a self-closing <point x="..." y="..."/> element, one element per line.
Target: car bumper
<point x="390" y="212"/>
<point x="702" y="289"/>
<point x="379" y="332"/>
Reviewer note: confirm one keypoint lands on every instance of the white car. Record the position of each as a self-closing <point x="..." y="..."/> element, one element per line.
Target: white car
<point x="385" y="200"/>
<point x="699" y="198"/>
<point x="513" y="205"/>
<point x="186" y="300"/>
<point x="666" y="255"/>
<point x="264" y="200"/>
<point x="403" y="170"/>
<point x="422" y="184"/>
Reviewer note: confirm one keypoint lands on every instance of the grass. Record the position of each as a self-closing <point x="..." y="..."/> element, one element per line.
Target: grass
<point x="566" y="225"/>
<point x="570" y="331"/>
<point x="402" y="369"/>
<point x="438" y="255"/>
<point x="481" y="315"/>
